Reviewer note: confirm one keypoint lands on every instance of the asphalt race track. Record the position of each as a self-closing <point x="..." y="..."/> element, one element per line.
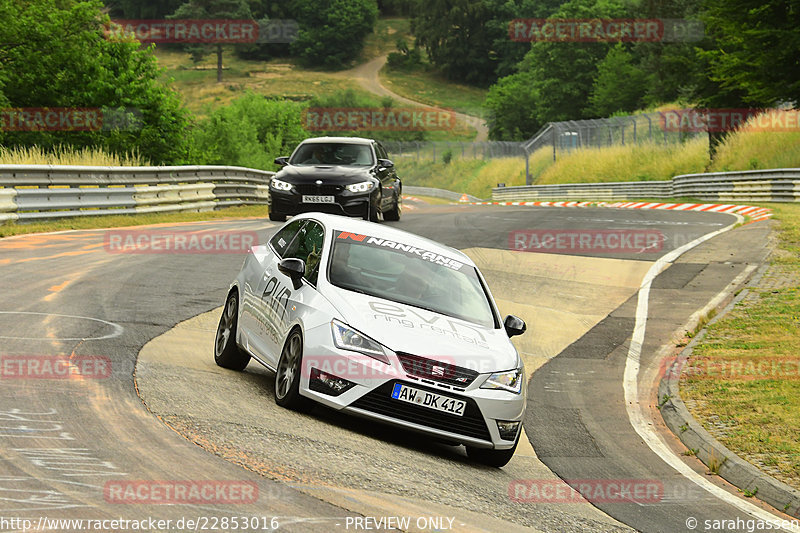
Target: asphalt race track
<point x="158" y="409"/>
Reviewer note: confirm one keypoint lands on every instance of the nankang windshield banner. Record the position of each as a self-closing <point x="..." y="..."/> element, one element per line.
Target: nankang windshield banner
<point x="406" y="249"/>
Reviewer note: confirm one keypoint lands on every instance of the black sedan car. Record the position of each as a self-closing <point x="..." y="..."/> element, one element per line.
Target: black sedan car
<point x="339" y="175"/>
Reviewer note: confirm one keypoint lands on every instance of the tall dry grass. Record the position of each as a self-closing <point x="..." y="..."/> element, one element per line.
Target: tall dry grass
<point x="66" y="155"/>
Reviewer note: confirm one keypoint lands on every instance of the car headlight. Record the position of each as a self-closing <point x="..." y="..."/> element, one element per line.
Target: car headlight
<point x="363" y="186"/>
<point x="280" y="185"/>
<point x="347" y="338"/>
<point x="510" y="381"/>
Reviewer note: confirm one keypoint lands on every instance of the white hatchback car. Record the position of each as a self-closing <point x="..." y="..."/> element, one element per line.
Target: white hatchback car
<point x="380" y="323"/>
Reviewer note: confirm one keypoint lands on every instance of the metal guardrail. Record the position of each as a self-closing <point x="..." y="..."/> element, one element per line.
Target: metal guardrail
<point x="585" y="191"/>
<point x="42" y="192"/>
<point x="778" y="185"/>
<point x="438" y="193"/>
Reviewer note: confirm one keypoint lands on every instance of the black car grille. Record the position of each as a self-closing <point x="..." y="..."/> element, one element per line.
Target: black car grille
<point x="313" y="188"/>
<point x="380" y="401"/>
<point x="447" y="373"/>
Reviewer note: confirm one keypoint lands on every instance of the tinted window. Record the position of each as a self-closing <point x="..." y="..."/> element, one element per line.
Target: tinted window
<point x="419" y="279"/>
<point x="308" y="247"/>
<point x="284" y="236"/>
<point x="332" y="154"/>
<point x="381" y="152"/>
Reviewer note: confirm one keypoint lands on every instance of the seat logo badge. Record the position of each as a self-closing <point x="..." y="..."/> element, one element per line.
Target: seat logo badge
<point x="318" y="182"/>
<point x="438" y="371"/>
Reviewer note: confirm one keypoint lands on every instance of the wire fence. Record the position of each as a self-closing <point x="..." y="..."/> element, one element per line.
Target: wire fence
<point x="560" y="137"/>
<point x="446" y="150"/>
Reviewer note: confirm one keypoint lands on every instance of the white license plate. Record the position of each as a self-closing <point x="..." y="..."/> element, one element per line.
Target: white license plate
<point x="431" y="400"/>
<point x="309" y="199"/>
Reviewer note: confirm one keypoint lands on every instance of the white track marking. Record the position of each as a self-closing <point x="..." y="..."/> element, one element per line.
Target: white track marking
<point x="631" y="387"/>
<point x="116" y="333"/>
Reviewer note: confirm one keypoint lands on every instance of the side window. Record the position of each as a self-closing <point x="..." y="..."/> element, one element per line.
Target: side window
<point x="284" y="236"/>
<point x="382" y="152"/>
<point x="308" y="247"/>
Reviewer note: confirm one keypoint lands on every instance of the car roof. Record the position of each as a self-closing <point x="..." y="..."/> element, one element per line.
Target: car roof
<point x="342" y="140"/>
<point x="362" y="227"/>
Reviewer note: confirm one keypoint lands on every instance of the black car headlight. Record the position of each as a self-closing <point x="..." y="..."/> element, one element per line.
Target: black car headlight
<point x="347" y="338"/>
<point x="363" y="186"/>
<point x="510" y="381"/>
<point x="280" y="185"/>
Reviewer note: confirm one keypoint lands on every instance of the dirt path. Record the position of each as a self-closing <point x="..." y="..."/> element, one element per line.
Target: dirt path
<point x="367" y="76"/>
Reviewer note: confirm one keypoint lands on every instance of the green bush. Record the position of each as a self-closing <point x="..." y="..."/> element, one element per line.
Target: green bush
<point x="251" y="132"/>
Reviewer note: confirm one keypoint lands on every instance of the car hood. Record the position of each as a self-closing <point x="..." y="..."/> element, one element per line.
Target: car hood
<point x="404" y="328"/>
<point x="340" y="175"/>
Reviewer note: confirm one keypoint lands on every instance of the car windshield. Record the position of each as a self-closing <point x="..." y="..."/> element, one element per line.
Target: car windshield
<point x="332" y="154"/>
<point x="409" y="275"/>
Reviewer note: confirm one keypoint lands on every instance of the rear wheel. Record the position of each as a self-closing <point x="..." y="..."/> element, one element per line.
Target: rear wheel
<point x="226" y="352"/>
<point x="287" y="377"/>
<point x="394" y="213"/>
<point x="490" y="457"/>
<point x="277" y="217"/>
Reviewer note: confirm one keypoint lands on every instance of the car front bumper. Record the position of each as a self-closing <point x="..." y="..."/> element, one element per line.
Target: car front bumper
<point x="345" y="203"/>
<point x="369" y="395"/>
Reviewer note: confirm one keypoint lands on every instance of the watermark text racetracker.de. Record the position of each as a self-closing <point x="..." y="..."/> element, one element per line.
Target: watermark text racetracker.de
<point x="69" y="119"/>
<point x="177" y="492"/>
<point x="723" y="120"/>
<point x="209" y="31"/>
<point x="605" y="30"/>
<point x="640" y="491"/>
<point x="377" y="119"/>
<point x="55" y="367"/>
<point x="179" y="242"/>
<point x="611" y="241"/>
<point x="740" y="368"/>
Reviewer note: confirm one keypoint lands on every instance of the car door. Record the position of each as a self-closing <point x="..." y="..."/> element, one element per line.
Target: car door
<point x="262" y="334"/>
<point x="388" y="177"/>
<point x="286" y="302"/>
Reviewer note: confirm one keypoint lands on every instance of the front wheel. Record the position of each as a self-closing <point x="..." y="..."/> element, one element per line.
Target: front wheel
<point x="287" y="377"/>
<point x="489" y="457"/>
<point x="226" y="352"/>
<point x="394" y="213"/>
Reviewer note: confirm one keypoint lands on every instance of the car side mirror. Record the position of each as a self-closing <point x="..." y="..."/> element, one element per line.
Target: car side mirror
<point x="514" y="325"/>
<point x="385" y="163"/>
<point x="282" y="161"/>
<point x="295" y="269"/>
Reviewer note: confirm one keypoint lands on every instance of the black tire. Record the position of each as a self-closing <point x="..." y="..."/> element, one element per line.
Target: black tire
<point x="277" y="217"/>
<point x="227" y="353"/>
<point x="393" y="215"/>
<point x="490" y="457"/>
<point x="287" y="376"/>
<point x="371" y="214"/>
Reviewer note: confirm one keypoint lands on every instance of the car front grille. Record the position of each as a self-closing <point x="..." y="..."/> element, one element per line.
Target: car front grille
<point x="380" y="401"/>
<point x="431" y="369"/>
<point x="313" y="188"/>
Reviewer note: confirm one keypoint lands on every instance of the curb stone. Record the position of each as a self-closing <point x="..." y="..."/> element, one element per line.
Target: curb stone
<point x="694" y="436"/>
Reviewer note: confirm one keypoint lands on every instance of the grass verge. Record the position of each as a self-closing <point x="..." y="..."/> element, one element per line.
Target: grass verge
<point x="118" y="221"/>
<point x="425" y="86"/>
<point x="743" y="379"/>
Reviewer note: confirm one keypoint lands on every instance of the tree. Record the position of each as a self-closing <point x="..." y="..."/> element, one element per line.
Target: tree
<point x="77" y="66"/>
<point x="756" y="49"/>
<point x="468" y="39"/>
<point x="206" y="10"/>
<point x="513" y="102"/>
<point x="619" y="84"/>
<point x="332" y="32"/>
